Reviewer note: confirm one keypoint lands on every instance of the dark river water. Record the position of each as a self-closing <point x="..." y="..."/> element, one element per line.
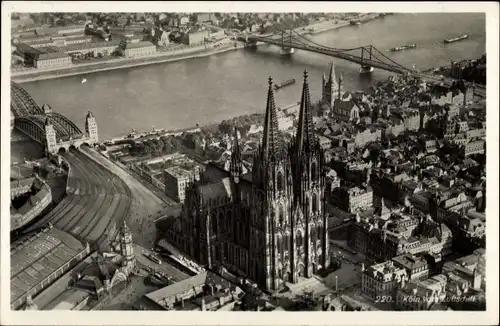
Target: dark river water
<point x="204" y="90"/>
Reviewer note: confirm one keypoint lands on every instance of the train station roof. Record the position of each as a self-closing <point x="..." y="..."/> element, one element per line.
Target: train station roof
<point x="34" y="258"/>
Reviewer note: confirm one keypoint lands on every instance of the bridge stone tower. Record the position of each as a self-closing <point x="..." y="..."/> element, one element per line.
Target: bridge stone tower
<point x="91" y="128"/>
<point x="331" y="90"/>
<point x="47" y="110"/>
<point x="50" y="137"/>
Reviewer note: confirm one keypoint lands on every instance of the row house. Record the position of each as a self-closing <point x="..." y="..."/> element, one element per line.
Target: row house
<point x="352" y="199"/>
<point x="370" y="134"/>
<point x="383" y="280"/>
<point x="474" y="147"/>
<point x="476" y="133"/>
<point x="422" y="295"/>
<point x="411" y="119"/>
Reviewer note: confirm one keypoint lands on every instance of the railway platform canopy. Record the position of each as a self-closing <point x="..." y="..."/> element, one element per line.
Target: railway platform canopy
<point x="40" y="259"/>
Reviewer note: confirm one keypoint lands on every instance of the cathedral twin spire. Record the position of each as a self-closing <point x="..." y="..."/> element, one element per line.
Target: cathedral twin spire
<point x="272" y="143"/>
<point x="305" y="130"/>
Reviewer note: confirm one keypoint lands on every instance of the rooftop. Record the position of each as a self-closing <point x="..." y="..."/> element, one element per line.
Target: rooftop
<point x="142" y="44"/>
<point x="179" y="172"/>
<point x="174" y="289"/>
<point x="25" y="48"/>
<point x="82" y="46"/>
<point x="216" y="190"/>
<point x="36" y="257"/>
<point x="409" y="261"/>
<point x="385" y="271"/>
<point x="53" y="55"/>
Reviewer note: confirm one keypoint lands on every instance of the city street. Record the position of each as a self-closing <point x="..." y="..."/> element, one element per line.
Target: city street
<point x="137" y="288"/>
<point x="164" y="267"/>
<point x="130" y="295"/>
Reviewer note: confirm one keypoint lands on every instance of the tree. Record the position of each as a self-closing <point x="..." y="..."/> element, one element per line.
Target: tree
<point x="36" y="18"/>
<point x="170" y="144"/>
<point x="159" y="145"/>
<point x="225" y="127"/>
<point x="152" y="145"/>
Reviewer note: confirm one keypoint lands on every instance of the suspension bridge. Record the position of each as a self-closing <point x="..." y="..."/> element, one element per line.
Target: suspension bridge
<point x="52" y="130"/>
<point x="366" y="56"/>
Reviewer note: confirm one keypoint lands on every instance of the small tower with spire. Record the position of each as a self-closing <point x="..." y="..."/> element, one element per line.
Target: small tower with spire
<point x="271" y="150"/>
<point x="50" y="136"/>
<point x="340" y="85"/>
<point x="330" y="88"/>
<point x="126" y="248"/>
<point x="91" y="128"/>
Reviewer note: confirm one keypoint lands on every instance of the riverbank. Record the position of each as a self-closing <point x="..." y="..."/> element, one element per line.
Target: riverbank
<point x="89" y="68"/>
<point x="162" y="57"/>
<point x="333" y="24"/>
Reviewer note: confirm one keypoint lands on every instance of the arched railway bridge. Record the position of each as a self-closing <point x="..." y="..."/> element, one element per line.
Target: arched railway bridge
<point x="51" y="129"/>
<point x="366" y="56"/>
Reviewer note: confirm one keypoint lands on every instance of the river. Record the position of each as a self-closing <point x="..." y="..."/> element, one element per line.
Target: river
<point x="205" y="90"/>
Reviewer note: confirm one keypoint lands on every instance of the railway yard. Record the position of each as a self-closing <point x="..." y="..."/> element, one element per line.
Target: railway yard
<point x="96" y="200"/>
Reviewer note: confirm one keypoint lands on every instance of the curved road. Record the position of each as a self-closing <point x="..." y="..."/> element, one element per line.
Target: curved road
<point x="96" y="201"/>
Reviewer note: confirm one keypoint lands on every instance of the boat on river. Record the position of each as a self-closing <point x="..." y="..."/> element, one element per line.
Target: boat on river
<point x="456" y="39"/>
<point x="403" y="47"/>
<point x="285" y="83"/>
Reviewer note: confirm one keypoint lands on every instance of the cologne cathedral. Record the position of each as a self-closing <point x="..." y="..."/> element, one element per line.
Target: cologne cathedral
<point x="270" y="225"/>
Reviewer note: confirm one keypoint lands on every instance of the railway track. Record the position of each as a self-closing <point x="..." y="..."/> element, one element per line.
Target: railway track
<point x="96" y="198"/>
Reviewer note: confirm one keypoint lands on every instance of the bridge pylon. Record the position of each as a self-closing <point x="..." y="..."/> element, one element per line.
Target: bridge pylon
<point x="366" y="68"/>
<point x="286" y="48"/>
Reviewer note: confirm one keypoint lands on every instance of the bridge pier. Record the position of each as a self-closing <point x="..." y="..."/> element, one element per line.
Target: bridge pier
<point x="252" y="45"/>
<point x="365" y="69"/>
<point x="287" y="51"/>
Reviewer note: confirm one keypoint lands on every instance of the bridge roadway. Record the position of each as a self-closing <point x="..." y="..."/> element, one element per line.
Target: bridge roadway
<point x="341" y="54"/>
<point x="331" y="53"/>
<point x="96" y="200"/>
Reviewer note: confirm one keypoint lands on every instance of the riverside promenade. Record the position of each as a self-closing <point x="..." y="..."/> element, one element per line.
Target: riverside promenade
<point x="159" y="57"/>
<point x="174" y="54"/>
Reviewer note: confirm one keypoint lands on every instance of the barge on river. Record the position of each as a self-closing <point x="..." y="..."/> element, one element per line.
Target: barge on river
<point x="285" y="83"/>
<point x="456" y="39"/>
<point x="403" y="47"/>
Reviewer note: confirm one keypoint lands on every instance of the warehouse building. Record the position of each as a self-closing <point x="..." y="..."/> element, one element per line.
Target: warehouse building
<point x="139" y="49"/>
<point x="52" y="60"/>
